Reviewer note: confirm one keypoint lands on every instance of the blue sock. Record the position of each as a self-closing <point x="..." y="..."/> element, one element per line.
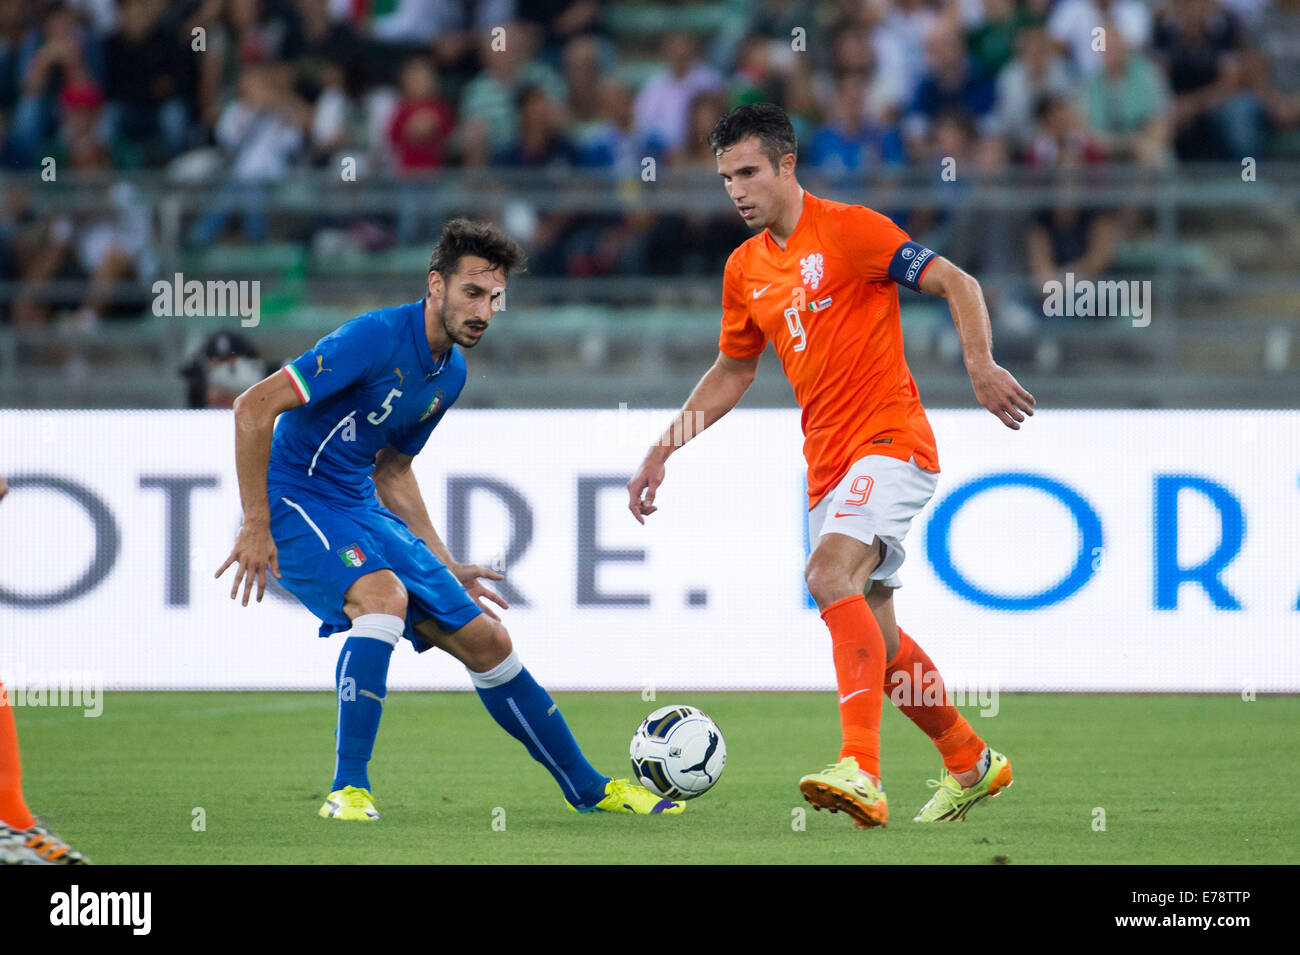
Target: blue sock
<point x="361" y="680"/>
<point x="527" y="713"/>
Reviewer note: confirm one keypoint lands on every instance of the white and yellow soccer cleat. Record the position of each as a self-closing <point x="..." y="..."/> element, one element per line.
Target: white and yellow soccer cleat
<point x="350" y="804"/>
<point x="952" y="802"/>
<point x="36" y="846"/>
<point x="846" y="788"/>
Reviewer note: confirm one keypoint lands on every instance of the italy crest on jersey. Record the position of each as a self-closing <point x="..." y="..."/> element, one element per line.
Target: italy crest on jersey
<point x="810" y="269"/>
<point x="433" y="405"/>
<point x="352" y="556"/>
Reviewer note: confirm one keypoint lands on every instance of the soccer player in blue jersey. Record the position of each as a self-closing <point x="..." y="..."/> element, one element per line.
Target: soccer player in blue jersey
<point x="333" y="510"/>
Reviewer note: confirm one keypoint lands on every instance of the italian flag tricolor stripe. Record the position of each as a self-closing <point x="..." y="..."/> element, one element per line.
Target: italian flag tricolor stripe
<point x="299" y="382"/>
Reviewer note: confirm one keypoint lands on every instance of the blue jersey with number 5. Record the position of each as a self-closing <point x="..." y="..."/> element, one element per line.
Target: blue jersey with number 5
<point x="369" y="384"/>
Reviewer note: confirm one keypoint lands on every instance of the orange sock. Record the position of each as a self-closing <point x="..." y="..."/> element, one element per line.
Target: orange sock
<point x="859" y="649"/>
<point x="13" y="810"/>
<point x="916" y="688"/>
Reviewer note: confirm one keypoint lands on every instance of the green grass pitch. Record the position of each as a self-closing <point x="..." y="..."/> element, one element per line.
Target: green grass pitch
<point x="1181" y="779"/>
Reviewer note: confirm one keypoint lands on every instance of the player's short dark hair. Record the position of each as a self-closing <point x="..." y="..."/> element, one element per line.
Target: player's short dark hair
<point x="767" y="121"/>
<point x="461" y="237"/>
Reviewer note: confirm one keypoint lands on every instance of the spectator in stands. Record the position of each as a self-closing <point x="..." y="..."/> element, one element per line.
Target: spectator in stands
<point x="240" y="33"/>
<point x="847" y="144"/>
<point x="614" y="242"/>
<point x="331" y="117"/>
<point x="663" y="106"/>
<point x="541" y="142"/>
<point x="583" y="68"/>
<point x="149" y="70"/>
<point x="260" y="134"/>
<point x="489" y="116"/>
<point x="1068" y="238"/>
<point x="1126" y="105"/>
<point x="1038" y="70"/>
<point x="325" y="42"/>
<point x="453" y="29"/>
<point x="852" y="52"/>
<point x="695" y="242"/>
<point x="991" y="41"/>
<point x="14" y="15"/>
<point x="1073" y="24"/>
<point x="755" y="78"/>
<point x="221" y="369"/>
<point x="952" y="81"/>
<point x="614" y="143"/>
<point x="21" y="237"/>
<point x="63" y="52"/>
<point x="777" y="20"/>
<point x="951" y="156"/>
<point x="418" y="136"/>
<point x="1061" y="139"/>
<point x="1277" y="38"/>
<point x="562" y="22"/>
<point x="422" y="123"/>
<point x="1216" y="113"/>
<point x="899" y="32"/>
<point x="106" y="249"/>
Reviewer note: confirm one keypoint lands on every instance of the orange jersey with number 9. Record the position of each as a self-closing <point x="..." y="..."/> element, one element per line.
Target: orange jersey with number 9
<point x="828" y="303"/>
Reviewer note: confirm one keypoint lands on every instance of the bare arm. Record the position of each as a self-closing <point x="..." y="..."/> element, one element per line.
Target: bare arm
<point x="995" y="388"/>
<point x="716" y="394"/>
<point x="255" y="413"/>
<point x="1039" y="246"/>
<point x="399" y="491"/>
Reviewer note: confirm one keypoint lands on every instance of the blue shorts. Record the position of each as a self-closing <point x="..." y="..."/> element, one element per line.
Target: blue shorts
<point x="325" y="546"/>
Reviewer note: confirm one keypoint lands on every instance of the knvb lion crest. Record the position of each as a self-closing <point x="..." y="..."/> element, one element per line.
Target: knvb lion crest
<point x="810" y="269"/>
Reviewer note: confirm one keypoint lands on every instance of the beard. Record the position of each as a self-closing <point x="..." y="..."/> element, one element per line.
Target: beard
<point x="458" y="333"/>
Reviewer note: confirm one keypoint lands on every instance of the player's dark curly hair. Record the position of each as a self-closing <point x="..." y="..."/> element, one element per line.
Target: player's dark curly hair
<point x="767" y="121"/>
<point x="461" y="237"/>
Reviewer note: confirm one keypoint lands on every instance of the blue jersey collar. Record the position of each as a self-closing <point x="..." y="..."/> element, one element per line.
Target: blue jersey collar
<point x="420" y="338"/>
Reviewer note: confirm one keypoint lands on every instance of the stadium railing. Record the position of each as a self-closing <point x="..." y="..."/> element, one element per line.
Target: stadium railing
<point x="1220" y="249"/>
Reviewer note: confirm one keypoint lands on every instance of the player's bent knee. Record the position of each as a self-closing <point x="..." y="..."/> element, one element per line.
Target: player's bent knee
<point x="481" y="644"/>
<point x="828" y="582"/>
<point x="380" y="592"/>
<point x="495" y="647"/>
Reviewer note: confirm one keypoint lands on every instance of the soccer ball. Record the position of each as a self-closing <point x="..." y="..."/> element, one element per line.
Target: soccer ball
<point x="678" y="752"/>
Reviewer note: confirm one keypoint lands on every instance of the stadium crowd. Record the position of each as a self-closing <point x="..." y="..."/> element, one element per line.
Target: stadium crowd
<point x="249" y="91"/>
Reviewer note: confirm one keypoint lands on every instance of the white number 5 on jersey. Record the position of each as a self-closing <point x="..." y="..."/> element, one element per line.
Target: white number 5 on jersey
<point x="374" y="417"/>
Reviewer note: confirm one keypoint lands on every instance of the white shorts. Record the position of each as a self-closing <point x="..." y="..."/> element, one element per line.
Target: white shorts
<point x="877" y="497"/>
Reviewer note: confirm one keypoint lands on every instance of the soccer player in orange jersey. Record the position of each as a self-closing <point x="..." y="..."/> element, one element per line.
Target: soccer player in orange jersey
<point x="819" y="281"/>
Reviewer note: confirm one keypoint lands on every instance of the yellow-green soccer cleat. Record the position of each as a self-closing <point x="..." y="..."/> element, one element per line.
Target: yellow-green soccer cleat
<point x="350" y="803"/>
<point x="846" y="788"/>
<point x="622" y="795"/>
<point x="951" y="802"/>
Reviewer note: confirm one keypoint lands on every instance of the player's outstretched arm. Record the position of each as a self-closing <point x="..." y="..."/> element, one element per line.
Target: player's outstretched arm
<point x="399" y="491"/>
<point x="995" y="387"/>
<point x="255" y="413"/>
<point x="717" y="393"/>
